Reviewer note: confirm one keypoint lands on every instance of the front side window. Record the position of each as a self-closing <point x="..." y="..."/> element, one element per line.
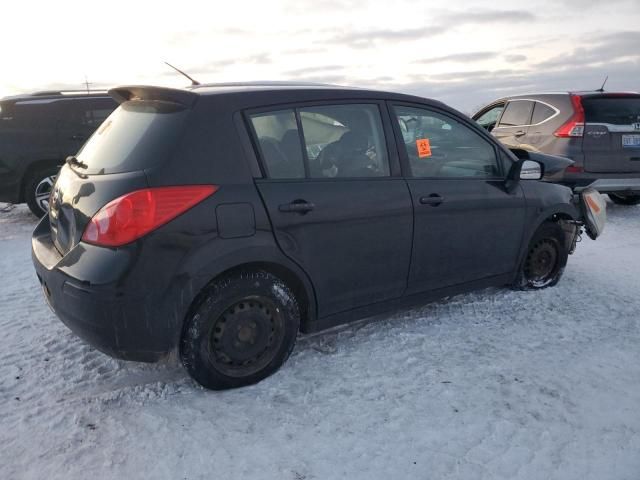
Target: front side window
<point x="516" y="113"/>
<point x="489" y="118"/>
<point x="440" y="146"/>
<point x="279" y="141"/>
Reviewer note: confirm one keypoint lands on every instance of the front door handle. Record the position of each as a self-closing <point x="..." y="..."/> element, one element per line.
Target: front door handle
<point x="297" y="206"/>
<point x="434" y="200"/>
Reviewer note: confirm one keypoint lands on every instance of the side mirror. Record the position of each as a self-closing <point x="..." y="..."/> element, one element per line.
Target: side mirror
<point x="530" y="170"/>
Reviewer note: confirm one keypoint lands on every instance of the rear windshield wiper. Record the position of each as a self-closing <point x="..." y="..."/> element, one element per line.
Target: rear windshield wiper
<point x="73" y="161"/>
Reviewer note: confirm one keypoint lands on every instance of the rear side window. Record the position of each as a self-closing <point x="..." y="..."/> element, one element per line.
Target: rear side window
<point x="344" y="141"/>
<point x="440" y="146"/>
<point x="541" y="113"/>
<point x="137" y="135"/>
<point x="612" y="110"/>
<point x="516" y="113"/>
<point x="279" y="142"/>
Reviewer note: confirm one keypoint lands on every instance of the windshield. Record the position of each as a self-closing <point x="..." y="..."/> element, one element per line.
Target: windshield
<point x="137" y="135"/>
<point x="612" y="110"/>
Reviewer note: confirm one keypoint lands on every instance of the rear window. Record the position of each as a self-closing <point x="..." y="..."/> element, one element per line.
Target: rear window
<point x="137" y="135"/>
<point x="612" y="110"/>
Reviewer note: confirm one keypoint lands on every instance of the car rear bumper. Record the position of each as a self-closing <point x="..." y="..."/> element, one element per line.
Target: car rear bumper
<point x="604" y="182"/>
<point x="118" y="320"/>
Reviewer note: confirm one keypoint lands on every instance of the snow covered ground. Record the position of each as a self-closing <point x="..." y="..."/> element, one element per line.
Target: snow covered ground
<point x="492" y="385"/>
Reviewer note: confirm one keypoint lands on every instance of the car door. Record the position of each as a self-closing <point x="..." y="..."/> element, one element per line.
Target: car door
<point x="337" y="204"/>
<point x="467" y="225"/>
<point x="514" y="122"/>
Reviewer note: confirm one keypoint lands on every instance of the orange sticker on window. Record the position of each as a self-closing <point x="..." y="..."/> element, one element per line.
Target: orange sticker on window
<point x="424" y="147"/>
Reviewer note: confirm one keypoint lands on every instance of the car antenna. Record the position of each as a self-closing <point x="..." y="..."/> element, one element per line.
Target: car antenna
<point x="193" y="82"/>
<point x="601" y="89"/>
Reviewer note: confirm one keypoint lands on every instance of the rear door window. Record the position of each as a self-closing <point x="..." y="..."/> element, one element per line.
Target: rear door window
<point x="516" y="113"/>
<point x="541" y="113"/>
<point x="612" y="110"/>
<point x="334" y="141"/>
<point x="344" y="141"/>
<point x="137" y="135"/>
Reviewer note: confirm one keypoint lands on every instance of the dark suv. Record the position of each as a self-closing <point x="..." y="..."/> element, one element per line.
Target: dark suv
<point x="220" y="220"/>
<point x="599" y="131"/>
<point x="37" y="132"/>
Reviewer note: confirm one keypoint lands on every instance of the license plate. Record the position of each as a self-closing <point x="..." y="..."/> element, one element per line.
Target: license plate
<point x="630" y="141"/>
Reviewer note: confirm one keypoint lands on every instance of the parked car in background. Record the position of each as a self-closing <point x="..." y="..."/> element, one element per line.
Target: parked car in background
<point x="599" y="131"/>
<point x="218" y="221"/>
<point x="37" y="132"/>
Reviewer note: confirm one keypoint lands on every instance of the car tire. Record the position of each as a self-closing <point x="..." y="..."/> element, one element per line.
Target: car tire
<point x="624" y="199"/>
<point x="37" y="188"/>
<point x="242" y="330"/>
<point x="545" y="260"/>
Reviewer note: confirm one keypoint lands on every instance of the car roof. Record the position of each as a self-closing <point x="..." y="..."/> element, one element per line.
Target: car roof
<point x="590" y="93"/>
<point x="48" y="96"/>
<point x="262" y="92"/>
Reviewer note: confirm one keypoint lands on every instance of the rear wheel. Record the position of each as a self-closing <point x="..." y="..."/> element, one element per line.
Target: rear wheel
<point x="546" y="258"/>
<point x="624" y="198"/>
<point x="38" y="188"/>
<point x="243" y="329"/>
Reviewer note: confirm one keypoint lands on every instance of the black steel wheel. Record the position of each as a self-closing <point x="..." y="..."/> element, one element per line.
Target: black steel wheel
<point x="545" y="259"/>
<point x="242" y="330"/>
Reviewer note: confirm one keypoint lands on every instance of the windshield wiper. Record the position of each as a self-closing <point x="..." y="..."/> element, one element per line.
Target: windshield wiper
<point x="72" y="161"/>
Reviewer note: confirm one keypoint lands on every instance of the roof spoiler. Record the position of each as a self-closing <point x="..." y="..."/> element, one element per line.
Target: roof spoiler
<point x="142" y="92"/>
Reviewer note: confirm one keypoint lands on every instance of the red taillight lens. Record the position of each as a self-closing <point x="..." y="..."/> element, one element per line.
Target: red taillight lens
<point x="574" y="169"/>
<point x="575" y="125"/>
<point x="135" y="214"/>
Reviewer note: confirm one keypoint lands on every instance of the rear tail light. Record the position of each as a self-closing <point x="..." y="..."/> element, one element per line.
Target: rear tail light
<point x="135" y="214"/>
<point x="574" y="127"/>
<point x="574" y="169"/>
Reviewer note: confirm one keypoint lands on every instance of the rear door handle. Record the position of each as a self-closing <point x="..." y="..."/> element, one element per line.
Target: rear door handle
<point x="519" y="133"/>
<point x="297" y="206"/>
<point x="434" y="200"/>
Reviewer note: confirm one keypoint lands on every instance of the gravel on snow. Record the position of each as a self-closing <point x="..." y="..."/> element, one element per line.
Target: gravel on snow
<point x="497" y="384"/>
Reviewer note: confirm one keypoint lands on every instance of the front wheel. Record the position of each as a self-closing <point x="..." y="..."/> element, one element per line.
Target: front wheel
<point x="38" y="188"/>
<point x="241" y="331"/>
<point x="624" y="199"/>
<point x="545" y="260"/>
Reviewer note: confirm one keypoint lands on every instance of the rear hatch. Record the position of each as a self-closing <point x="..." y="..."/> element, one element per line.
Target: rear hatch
<point x="611" y="141"/>
<point x="138" y="135"/>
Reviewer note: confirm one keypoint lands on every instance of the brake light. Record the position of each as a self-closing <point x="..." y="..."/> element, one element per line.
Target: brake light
<point x="574" y="127"/>
<point x="135" y="214"/>
<point x="574" y="169"/>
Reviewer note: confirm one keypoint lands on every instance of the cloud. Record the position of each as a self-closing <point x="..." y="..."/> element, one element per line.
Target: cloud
<point x="515" y="58"/>
<point x="313" y="70"/>
<point x="364" y="38"/>
<point x="460" y="57"/>
<point x="605" y="48"/>
<point x="487" y="16"/>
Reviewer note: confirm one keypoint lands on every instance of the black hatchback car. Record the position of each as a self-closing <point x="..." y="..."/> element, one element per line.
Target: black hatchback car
<point x="37" y="132"/>
<point x="599" y="131"/>
<point x="219" y="221"/>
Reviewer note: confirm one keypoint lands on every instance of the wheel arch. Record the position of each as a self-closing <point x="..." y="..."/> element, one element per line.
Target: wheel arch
<point x="31" y="169"/>
<point x="269" y="260"/>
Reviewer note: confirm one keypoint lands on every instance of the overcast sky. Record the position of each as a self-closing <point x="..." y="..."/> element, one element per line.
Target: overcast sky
<point x="465" y="54"/>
